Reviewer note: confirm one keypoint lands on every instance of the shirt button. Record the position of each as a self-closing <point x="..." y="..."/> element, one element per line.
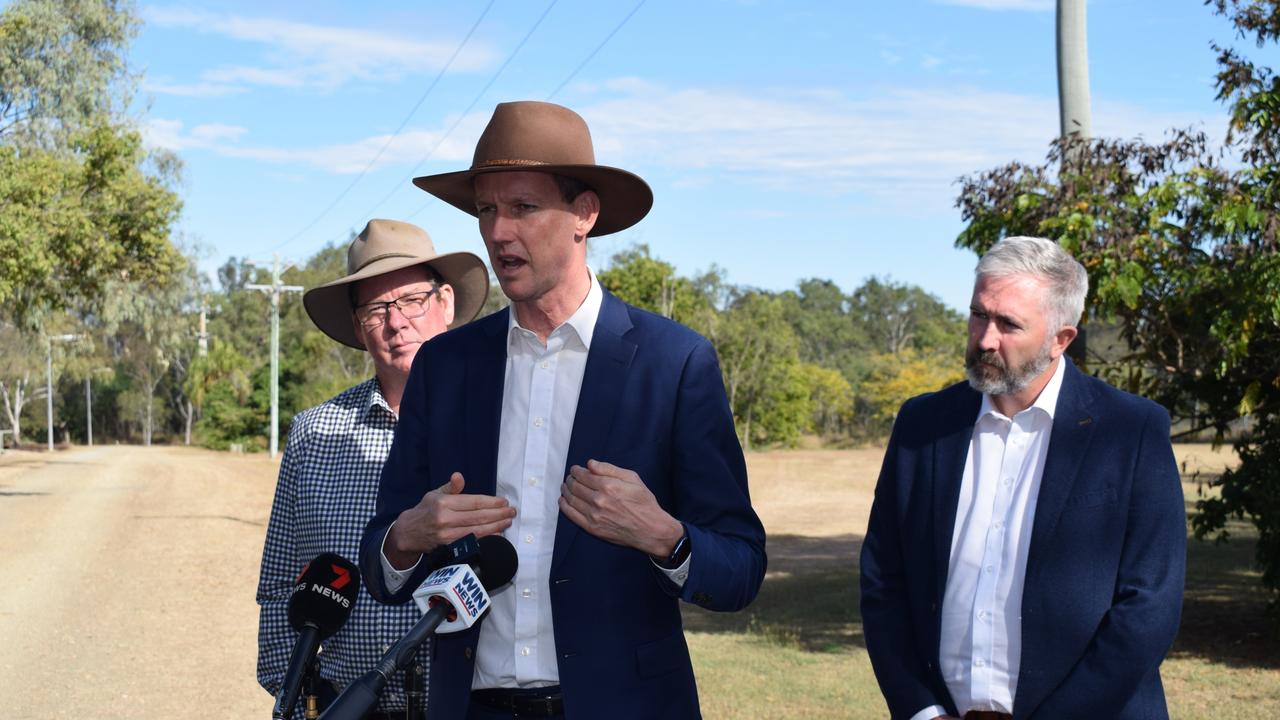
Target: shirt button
<point x="537" y="422"/>
<point x="999" y="525"/>
<point x="533" y="482"/>
<point x="546" y="364"/>
<point x="525" y="651"/>
<point x="978" y="662"/>
<point x="990" y="569"/>
<point x="526" y="593"/>
<point x="528" y="538"/>
<point x="1008" y="482"/>
<point x="982" y="614"/>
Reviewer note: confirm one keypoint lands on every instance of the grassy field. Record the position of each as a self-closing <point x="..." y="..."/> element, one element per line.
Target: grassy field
<point x="798" y="651"/>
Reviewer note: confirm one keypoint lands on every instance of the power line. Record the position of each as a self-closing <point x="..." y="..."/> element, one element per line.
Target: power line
<point x="463" y="115"/>
<point x="457" y="51"/>
<point x="592" y="54"/>
<point x="559" y="87"/>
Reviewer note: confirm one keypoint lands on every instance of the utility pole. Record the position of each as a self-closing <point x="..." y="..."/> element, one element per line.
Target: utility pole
<point x="49" y="380"/>
<point x="1073" y="70"/>
<point x="1073" y="111"/>
<point x="275" y="289"/>
<point x="202" y="339"/>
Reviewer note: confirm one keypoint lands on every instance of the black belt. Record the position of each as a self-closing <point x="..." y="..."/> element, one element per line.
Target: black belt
<point x="531" y="702"/>
<point x="394" y="715"/>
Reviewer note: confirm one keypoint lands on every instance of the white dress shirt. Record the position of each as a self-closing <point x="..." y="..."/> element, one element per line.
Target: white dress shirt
<point x="981" y="642"/>
<point x="539" y="403"/>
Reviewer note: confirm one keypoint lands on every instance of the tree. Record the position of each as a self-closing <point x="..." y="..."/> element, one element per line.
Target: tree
<point x="638" y="278"/>
<point x="22" y="367"/>
<point x="831" y="400"/>
<point x="83" y="204"/>
<point x="1181" y="250"/>
<point x="759" y="358"/>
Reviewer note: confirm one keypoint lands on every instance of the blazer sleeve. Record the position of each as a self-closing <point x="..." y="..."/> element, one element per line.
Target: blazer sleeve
<point x="904" y="675"/>
<point x="727" y="560"/>
<point x="404" y="480"/>
<point x="1138" y="630"/>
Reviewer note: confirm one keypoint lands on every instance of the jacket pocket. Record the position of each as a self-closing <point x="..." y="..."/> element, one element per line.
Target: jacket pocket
<point x="1106" y="496"/>
<point x="669" y="654"/>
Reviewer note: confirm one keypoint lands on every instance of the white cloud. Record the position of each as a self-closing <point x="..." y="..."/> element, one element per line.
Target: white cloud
<point x="168" y="134"/>
<point x="200" y="89"/>
<point x="899" y="145"/>
<point x="898" y="141"/>
<point x="1033" y="5"/>
<point x="344" y="158"/>
<point x="305" y="55"/>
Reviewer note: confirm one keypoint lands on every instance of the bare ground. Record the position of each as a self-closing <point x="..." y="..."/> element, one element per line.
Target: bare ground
<point x="130" y="575"/>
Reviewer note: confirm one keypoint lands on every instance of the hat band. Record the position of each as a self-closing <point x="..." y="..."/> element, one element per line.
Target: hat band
<point x="508" y="163"/>
<point x="383" y="256"/>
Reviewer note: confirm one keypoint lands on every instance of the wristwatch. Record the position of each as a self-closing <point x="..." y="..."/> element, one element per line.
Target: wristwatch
<point x="678" y="555"/>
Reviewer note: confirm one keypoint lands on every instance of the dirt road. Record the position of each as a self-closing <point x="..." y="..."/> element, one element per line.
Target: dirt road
<point x="126" y="583"/>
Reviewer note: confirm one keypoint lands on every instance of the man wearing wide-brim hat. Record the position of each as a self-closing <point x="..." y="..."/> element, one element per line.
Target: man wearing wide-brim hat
<point x="594" y="436"/>
<point x="397" y="294"/>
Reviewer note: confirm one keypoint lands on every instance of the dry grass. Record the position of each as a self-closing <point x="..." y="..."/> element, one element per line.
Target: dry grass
<point x="798" y="651"/>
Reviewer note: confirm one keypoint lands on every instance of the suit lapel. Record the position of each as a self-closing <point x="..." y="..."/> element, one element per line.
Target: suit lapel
<point x="950" y="454"/>
<point x="485" y="377"/>
<point x="1068" y="441"/>
<point x="603" y="382"/>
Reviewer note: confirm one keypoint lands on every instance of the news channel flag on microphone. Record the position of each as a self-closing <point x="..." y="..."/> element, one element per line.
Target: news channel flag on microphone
<point x="458" y="587"/>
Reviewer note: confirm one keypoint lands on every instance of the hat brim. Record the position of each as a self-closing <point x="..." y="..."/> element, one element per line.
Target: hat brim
<point x="329" y="305"/>
<point x="625" y="198"/>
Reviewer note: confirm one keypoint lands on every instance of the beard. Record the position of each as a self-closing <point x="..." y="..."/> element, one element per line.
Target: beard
<point x="988" y="373"/>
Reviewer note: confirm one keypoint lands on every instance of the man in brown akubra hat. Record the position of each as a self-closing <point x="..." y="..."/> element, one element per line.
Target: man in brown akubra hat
<point x="595" y="436"/>
<point x="397" y="294"/>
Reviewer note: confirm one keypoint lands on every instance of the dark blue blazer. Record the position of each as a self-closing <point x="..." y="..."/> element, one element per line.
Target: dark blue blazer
<point x="653" y="401"/>
<point x="1105" y="569"/>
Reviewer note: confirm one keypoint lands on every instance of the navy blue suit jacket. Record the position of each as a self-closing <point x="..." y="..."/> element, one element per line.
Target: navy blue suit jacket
<point x="652" y="401"/>
<point x="1103" y="590"/>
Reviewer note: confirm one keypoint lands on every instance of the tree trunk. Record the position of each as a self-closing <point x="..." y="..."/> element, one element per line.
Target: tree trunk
<point x="146" y="434"/>
<point x="187" y="436"/>
<point x="14" y="400"/>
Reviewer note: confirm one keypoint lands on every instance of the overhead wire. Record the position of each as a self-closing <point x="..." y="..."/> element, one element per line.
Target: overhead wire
<point x="569" y="78"/>
<point x="444" y="69"/>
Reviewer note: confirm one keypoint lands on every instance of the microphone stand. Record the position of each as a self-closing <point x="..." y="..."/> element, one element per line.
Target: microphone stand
<point x="310" y="693"/>
<point x="414" y="690"/>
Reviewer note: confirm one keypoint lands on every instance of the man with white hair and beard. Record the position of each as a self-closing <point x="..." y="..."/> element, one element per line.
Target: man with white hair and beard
<point x="1027" y="543"/>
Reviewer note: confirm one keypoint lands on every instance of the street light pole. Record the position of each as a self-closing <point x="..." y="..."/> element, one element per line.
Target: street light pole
<point x="88" y="409"/>
<point x="276" y="289"/>
<point x="49" y="380"/>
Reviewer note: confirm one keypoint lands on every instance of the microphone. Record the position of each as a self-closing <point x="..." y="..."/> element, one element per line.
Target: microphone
<point x="456" y="593"/>
<point x="322" y="598"/>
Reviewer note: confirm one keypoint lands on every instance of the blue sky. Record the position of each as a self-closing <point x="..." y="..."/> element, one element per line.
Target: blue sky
<point x="783" y="140"/>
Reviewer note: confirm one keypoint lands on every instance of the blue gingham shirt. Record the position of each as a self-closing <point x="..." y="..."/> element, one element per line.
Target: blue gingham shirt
<point x="325" y="494"/>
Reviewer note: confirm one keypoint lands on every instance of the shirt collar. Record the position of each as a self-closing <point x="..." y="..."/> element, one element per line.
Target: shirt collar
<point x="582" y="322"/>
<point x="1047" y="401"/>
<point x="374" y="399"/>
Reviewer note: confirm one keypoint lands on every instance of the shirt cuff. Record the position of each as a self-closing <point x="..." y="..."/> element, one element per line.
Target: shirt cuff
<point x="678" y="575"/>
<point x="395" y="579"/>
<point x="930" y="713"/>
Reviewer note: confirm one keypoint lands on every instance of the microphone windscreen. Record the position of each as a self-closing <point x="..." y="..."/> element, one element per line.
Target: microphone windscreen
<point x="497" y="562"/>
<point x="324" y="594"/>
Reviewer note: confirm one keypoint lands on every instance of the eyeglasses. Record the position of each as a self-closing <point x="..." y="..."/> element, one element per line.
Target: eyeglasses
<point x="414" y="305"/>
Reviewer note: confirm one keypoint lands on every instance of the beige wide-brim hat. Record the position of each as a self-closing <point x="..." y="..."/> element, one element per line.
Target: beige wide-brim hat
<point x="543" y="137"/>
<point x="386" y="246"/>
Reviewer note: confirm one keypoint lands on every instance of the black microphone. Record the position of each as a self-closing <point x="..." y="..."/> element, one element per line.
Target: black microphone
<point x="494" y="561"/>
<point x="322" y="598"/>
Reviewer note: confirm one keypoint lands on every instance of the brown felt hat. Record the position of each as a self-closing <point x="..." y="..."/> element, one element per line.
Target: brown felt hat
<point x="544" y="137"/>
<point x="386" y="246"/>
